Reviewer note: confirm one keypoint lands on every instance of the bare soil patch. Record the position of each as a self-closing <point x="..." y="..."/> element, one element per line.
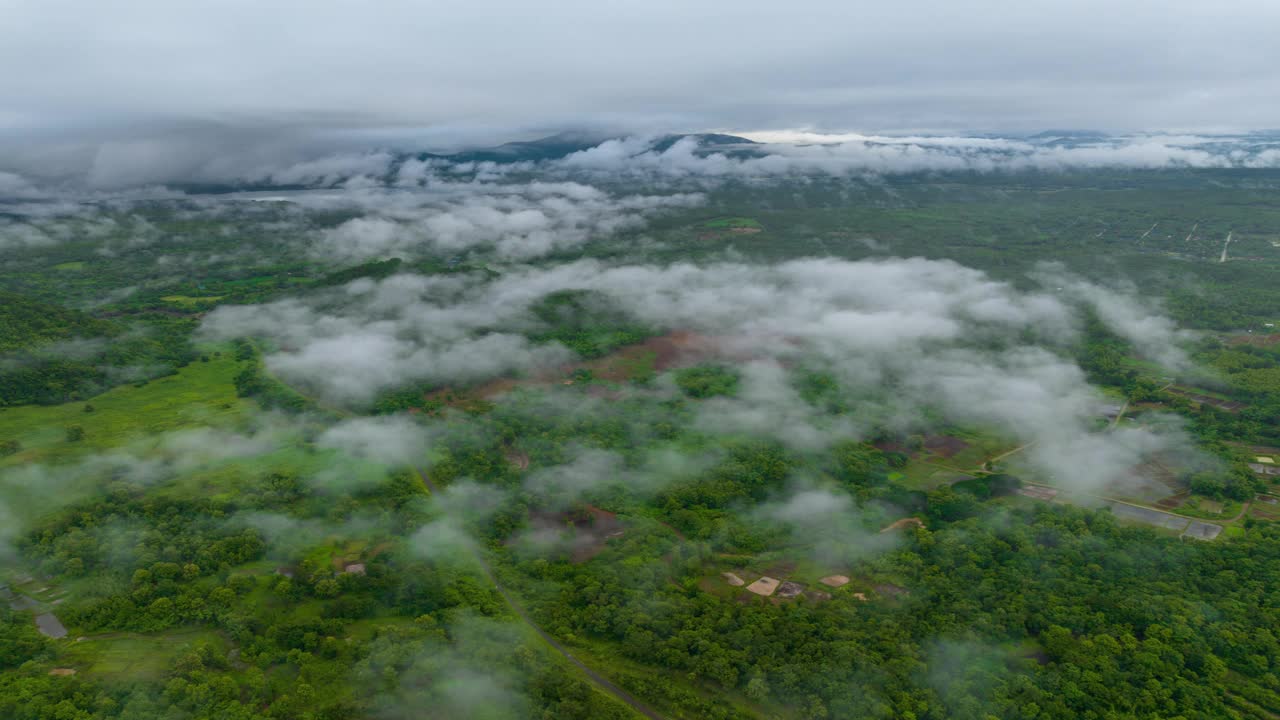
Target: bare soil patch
<point x="1231" y="406"/>
<point x="790" y="589"/>
<point x="62" y="672"/>
<point x="891" y="446"/>
<point x="765" y="586"/>
<point x="1261" y="340"/>
<point x="674" y="349"/>
<point x="1037" y="493"/>
<point x="835" y="580"/>
<point x="518" y="459"/>
<point x="944" y="445"/>
<point x="733" y="579"/>
<point x="904" y="523"/>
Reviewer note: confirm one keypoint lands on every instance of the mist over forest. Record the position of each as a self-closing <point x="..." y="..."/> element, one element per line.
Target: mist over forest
<point x="342" y="379"/>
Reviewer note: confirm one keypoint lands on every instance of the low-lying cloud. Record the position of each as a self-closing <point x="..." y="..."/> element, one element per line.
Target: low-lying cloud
<point x="904" y="338"/>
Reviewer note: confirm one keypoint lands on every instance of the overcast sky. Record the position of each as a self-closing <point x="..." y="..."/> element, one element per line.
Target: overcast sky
<point x="495" y="65"/>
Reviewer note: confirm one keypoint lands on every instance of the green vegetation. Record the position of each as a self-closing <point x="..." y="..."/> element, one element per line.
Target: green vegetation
<point x="704" y="381"/>
<point x="219" y="545"/>
<point x="589" y="323"/>
<point x="731" y="223"/>
<point x="199" y="394"/>
<point x="375" y="270"/>
<point x="26" y="323"/>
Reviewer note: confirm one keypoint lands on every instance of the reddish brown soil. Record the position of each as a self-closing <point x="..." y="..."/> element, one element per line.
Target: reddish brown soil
<point x="944" y="445"/>
<point x="891" y="446"/>
<point x="789" y="589"/>
<point x="518" y="459"/>
<point x="1259" y="340"/>
<point x="904" y="523"/>
<point x="675" y="349"/>
<point x="1230" y="406"/>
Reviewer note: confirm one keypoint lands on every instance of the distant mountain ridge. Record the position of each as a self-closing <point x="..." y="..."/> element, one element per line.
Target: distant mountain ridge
<point x="562" y="145"/>
<point x="546" y="149"/>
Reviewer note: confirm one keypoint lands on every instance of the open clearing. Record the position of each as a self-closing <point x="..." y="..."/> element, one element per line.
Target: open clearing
<point x="655" y="355"/>
<point x="50" y="626"/>
<point x="765" y="586"/>
<point x="199" y="394"/>
<point x="1231" y="406"/>
<point x="1189" y="528"/>
<point x="904" y="523"/>
<point x="136" y="655"/>
<point x="189" y="301"/>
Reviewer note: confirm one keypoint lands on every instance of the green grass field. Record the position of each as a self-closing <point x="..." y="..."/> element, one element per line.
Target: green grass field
<point x="199" y="394"/>
<point x="188" y="301"/>
<point x="134" y="656"/>
<point x="733" y="222"/>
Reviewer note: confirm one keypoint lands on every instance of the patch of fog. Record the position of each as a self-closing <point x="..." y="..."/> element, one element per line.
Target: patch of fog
<point x="904" y="337"/>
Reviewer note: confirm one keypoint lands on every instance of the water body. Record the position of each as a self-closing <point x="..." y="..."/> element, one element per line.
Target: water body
<point x="1189" y="528"/>
<point x="50" y="626"/>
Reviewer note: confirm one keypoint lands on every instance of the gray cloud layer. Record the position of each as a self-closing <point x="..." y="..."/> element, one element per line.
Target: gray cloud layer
<point x="905" y="337"/>
<point x="977" y="63"/>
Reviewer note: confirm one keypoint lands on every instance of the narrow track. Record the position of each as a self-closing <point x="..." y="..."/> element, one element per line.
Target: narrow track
<point x="601" y="681"/>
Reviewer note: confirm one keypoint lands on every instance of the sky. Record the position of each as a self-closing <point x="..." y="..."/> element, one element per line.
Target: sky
<point x="462" y="72"/>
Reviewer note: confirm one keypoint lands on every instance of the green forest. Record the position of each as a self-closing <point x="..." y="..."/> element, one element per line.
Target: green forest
<point x="622" y="502"/>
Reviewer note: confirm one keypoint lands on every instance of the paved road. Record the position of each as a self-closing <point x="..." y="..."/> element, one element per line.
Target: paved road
<point x="601" y="681"/>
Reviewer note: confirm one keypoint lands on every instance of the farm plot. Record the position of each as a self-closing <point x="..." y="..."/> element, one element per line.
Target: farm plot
<point x="765" y="586"/>
<point x="635" y="362"/>
<point x="1202" y="530"/>
<point x="1148" y="516"/>
<point x="1231" y="406"/>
